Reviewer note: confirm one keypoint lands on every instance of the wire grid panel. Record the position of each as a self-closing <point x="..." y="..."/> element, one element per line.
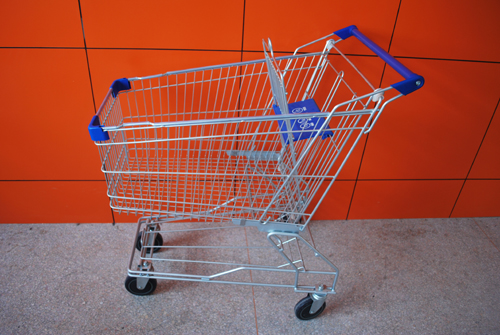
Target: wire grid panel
<point x="205" y="143"/>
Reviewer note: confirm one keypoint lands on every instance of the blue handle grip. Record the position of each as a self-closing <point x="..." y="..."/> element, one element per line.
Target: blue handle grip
<point x="412" y="81"/>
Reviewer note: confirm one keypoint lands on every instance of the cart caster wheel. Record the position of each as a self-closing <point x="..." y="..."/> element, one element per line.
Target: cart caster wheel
<point x="304" y="306"/>
<point x="158" y="242"/>
<point x="284" y="218"/>
<point x="131" y="286"/>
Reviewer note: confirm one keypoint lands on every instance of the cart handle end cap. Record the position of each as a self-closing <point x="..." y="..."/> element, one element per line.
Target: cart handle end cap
<point x="409" y="85"/>
<point x="95" y="130"/>
<point x="345" y="32"/>
<point x="120" y="85"/>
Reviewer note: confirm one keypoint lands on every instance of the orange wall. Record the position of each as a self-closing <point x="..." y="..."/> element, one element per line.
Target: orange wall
<point x="435" y="153"/>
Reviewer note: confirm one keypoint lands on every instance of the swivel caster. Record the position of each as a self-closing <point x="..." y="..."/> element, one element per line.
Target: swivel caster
<point x="131" y="286"/>
<point x="310" y="307"/>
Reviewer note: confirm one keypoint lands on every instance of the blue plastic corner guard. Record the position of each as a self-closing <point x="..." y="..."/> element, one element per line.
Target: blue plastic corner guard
<point x="412" y="81"/>
<point x="120" y="85"/>
<point x="95" y="130"/>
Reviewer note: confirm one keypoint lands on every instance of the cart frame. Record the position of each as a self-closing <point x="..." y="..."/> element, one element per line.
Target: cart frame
<point x="238" y="146"/>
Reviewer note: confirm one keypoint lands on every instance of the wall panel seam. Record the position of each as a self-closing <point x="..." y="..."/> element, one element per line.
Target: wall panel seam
<point x="474" y="160"/>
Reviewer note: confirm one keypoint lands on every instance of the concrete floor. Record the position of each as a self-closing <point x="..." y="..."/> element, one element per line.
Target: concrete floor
<point x="425" y="276"/>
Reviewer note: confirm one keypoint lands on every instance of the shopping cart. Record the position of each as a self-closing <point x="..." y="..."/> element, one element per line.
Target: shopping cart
<point x="237" y="152"/>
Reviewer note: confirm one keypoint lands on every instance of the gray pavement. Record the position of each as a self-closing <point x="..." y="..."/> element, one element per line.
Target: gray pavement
<point x="419" y="276"/>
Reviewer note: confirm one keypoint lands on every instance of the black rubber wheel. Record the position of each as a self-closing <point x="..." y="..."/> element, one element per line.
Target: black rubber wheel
<point x="131" y="286"/>
<point x="158" y="242"/>
<point x="304" y="306"/>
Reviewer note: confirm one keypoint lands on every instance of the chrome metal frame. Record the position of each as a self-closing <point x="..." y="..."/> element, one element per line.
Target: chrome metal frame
<point x="204" y="144"/>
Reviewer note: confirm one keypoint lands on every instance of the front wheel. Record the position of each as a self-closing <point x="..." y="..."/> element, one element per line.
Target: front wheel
<point x="303" y="307"/>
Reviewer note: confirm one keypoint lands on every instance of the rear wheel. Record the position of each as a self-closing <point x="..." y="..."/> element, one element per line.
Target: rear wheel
<point x="158" y="242"/>
<point x="131" y="286"/>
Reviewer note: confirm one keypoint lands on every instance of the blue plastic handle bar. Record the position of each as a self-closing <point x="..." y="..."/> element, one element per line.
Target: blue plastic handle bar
<point x="412" y="81"/>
